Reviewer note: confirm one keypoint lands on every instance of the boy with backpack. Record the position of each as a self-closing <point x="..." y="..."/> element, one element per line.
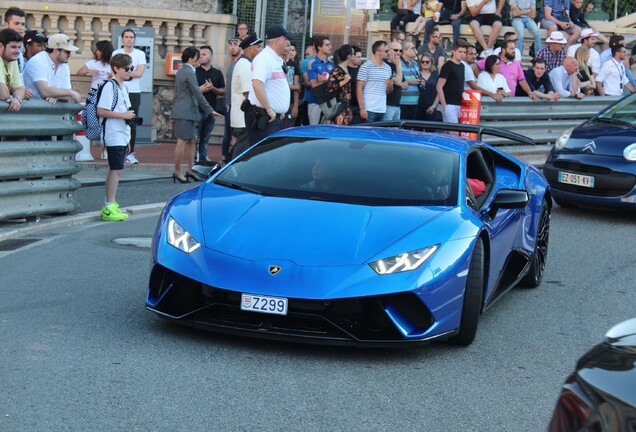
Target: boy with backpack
<point x="113" y="105"/>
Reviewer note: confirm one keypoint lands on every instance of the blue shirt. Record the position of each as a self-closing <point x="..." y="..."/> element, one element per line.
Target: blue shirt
<point x="318" y="67"/>
<point x="411" y="95"/>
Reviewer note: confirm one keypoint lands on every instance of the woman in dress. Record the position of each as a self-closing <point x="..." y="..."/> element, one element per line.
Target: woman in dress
<point x="339" y="83"/>
<point x="587" y="83"/>
<point x="491" y="82"/>
<point x="185" y="116"/>
<point x="99" y="70"/>
<point x="429" y="100"/>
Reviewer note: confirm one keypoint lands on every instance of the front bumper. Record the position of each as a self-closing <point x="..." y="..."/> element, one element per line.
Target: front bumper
<point x="378" y="320"/>
<point x="612" y="187"/>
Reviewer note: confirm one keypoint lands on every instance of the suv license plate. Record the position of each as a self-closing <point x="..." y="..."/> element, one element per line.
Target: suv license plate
<point x="576" y="179"/>
<point x="264" y="304"/>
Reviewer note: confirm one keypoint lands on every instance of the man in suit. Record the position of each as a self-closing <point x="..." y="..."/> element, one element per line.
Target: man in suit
<point x="185" y="116"/>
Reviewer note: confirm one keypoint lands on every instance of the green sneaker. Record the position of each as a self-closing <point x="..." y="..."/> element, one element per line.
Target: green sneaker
<point x="111" y="212"/>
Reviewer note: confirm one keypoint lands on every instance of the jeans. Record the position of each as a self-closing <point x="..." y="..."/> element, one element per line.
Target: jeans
<point x="456" y="24"/>
<point x="522" y="23"/>
<point x="374" y="117"/>
<point x="392" y="113"/>
<point x="206" y="124"/>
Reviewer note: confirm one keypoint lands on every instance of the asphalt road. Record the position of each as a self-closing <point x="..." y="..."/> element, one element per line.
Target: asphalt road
<point x="78" y="351"/>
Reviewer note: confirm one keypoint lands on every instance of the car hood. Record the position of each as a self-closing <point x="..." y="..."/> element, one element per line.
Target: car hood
<point x="315" y="233"/>
<point x="601" y="138"/>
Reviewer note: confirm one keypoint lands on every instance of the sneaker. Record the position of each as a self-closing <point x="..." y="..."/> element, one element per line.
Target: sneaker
<point x="111" y="213"/>
<point x="104" y="154"/>
<point x="132" y="159"/>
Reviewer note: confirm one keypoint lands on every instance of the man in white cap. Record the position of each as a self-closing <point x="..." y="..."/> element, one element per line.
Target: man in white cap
<point x="588" y="39"/>
<point x="553" y="54"/>
<point x="47" y="73"/>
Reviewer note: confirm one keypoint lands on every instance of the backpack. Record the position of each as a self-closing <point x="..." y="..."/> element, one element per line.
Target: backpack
<point x="93" y="128"/>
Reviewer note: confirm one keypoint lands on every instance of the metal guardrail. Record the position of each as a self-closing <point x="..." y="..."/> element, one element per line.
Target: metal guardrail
<point x="36" y="176"/>
<point x="543" y="121"/>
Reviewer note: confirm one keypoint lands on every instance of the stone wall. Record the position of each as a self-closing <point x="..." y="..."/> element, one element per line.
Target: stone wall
<point x="201" y="6"/>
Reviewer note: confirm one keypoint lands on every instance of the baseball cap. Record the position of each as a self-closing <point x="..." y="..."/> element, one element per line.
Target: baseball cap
<point x="60" y="41"/>
<point x="251" y="40"/>
<point x="556" y="37"/>
<point x="277" y="31"/>
<point x="586" y="33"/>
<point x="34" y="36"/>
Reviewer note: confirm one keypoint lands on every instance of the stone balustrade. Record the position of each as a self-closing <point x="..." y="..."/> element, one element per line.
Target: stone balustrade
<point x="174" y="31"/>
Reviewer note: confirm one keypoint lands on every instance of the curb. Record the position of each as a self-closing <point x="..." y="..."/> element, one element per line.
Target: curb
<point x="79" y="219"/>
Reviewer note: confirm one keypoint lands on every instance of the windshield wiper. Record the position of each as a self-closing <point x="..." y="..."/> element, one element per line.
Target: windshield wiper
<point x="237" y="186"/>
<point x="613" y="121"/>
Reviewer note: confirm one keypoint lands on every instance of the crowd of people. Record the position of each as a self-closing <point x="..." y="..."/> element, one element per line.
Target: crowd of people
<point x="266" y="87"/>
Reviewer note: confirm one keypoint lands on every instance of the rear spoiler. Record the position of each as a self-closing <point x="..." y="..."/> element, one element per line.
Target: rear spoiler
<point x="420" y="125"/>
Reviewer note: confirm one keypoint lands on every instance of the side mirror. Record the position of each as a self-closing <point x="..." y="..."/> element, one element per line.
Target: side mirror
<point x="206" y="169"/>
<point x="508" y="199"/>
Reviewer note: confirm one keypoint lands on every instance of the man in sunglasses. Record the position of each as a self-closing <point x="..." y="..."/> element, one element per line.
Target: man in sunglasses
<point x="47" y="73"/>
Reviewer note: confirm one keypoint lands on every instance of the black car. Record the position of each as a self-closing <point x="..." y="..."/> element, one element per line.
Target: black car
<point x="601" y="394"/>
<point x="594" y="164"/>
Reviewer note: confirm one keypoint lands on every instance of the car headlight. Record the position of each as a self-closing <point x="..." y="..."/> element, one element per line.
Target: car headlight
<point x="563" y="139"/>
<point x="180" y="238"/>
<point x="630" y="152"/>
<point x="404" y="262"/>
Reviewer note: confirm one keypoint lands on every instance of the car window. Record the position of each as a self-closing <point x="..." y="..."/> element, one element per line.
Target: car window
<point x="623" y="111"/>
<point x="345" y="170"/>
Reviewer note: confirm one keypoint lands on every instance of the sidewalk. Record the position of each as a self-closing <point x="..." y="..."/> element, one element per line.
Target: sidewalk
<point x="155" y="161"/>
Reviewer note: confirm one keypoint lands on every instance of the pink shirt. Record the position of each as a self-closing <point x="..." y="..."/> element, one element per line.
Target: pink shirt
<point x="511" y="71"/>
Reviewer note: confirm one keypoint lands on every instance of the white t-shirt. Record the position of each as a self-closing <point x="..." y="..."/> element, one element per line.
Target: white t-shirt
<point x="116" y="131"/>
<point x="469" y="75"/>
<point x="267" y="67"/>
<point x="41" y="68"/>
<point x="103" y="68"/>
<point x="241" y="83"/>
<point x="138" y="58"/>
<point x="486" y="82"/>
<point x="595" y="58"/>
<point x="489" y="8"/>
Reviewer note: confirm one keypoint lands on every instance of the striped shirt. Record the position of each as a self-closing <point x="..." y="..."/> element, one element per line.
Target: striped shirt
<point x="411" y="95"/>
<point x="374" y="91"/>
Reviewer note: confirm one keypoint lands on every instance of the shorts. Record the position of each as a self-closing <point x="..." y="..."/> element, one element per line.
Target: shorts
<point x="546" y="24"/>
<point x="487" y="19"/>
<point x="116" y="157"/>
<point x="185" y="129"/>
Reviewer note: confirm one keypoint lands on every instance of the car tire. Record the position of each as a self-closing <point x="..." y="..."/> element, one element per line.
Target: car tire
<point x="533" y="278"/>
<point x="473" y="297"/>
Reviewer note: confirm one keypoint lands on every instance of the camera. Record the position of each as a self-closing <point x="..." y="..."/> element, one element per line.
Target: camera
<point x="135" y="121"/>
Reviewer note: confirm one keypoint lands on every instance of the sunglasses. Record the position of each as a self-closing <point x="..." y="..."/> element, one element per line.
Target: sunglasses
<point x="129" y="69"/>
<point x="425" y="62"/>
<point x="396" y="50"/>
<point x="67" y="52"/>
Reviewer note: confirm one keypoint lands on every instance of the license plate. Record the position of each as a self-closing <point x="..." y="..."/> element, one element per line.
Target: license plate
<point x="264" y="304"/>
<point x="576" y="179"/>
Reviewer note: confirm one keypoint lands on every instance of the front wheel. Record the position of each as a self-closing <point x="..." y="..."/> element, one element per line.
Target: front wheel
<point x="473" y="297"/>
<point x="537" y="262"/>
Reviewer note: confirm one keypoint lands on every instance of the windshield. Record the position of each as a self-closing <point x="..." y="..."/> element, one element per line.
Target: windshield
<point x="348" y="171"/>
<point x="623" y="112"/>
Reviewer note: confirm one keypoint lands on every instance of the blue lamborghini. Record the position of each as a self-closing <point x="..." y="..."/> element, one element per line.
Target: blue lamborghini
<point x="394" y="233"/>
